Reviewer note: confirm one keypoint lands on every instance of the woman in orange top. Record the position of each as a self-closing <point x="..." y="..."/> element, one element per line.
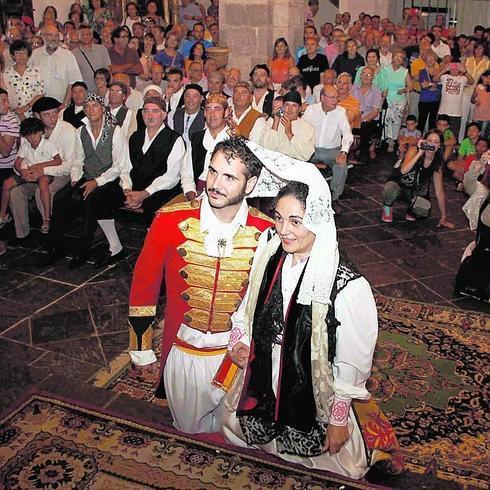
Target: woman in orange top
<point x="280" y="62"/>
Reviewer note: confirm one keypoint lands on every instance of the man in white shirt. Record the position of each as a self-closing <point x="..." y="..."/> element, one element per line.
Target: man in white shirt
<point x="63" y="136"/>
<point x="329" y="77"/>
<point x="90" y="57"/>
<point x="134" y="99"/>
<point x="125" y="118"/>
<point x="100" y="157"/>
<point x="439" y="47"/>
<point x="189" y="119"/>
<point x="174" y="96"/>
<point x="333" y="138"/>
<point x="58" y="66"/>
<point x="288" y="133"/>
<point x="200" y="148"/>
<point x="196" y="75"/>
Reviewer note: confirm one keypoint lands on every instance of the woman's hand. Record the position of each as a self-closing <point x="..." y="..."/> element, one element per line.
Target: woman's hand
<point x="239" y="354"/>
<point x="336" y="438"/>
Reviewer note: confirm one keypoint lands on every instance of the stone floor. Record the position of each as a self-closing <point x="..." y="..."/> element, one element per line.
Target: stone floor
<point x="58" y="327"/>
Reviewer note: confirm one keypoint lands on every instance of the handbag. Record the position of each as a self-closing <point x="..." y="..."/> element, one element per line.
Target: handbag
<point x="420" y="206"/>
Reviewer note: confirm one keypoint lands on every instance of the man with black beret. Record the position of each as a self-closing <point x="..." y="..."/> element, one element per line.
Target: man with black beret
<point x="63" y="135"/>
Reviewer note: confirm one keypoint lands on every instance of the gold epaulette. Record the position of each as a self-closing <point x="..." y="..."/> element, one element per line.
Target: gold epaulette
<point x="180" y="206"/>
<point x="259" y="214"/>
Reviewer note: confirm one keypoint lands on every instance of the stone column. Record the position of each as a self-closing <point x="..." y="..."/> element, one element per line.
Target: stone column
<point x="250" y="27"/>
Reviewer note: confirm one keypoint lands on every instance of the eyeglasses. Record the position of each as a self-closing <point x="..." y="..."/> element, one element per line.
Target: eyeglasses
<point x="115" y="91"/>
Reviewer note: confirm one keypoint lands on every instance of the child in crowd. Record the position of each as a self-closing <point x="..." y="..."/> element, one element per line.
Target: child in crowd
<point x="466" y="148"/>
<point x="34" y="151"/>
<point x="448" y="136"/>
<point x="408" y="136"/>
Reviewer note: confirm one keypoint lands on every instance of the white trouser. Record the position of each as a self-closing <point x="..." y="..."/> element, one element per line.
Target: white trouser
<point x="191" y="397"/>
<point x="466" y="114"/>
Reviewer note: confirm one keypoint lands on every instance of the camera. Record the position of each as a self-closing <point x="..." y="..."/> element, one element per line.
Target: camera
<point x="426" y="146"/>
<point x="280" y="112"/>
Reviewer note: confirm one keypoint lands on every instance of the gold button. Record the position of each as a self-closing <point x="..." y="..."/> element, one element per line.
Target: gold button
<point x="183" y="274"/>
<point x="253" y="211"/>
<point x="184" y="226"/>
<point x="185" y="296"/>
<point x="182" y="252"/>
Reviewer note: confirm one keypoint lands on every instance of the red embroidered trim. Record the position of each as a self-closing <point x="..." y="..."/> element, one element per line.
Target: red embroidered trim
<point x="340" y="411"/>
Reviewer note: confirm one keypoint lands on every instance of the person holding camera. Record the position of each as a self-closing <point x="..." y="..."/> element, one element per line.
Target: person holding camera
<point x="412" y="181"/>
<point x="287" y="133"/>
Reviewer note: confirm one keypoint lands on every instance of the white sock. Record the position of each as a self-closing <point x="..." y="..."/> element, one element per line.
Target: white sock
<point x="108" y="226"/>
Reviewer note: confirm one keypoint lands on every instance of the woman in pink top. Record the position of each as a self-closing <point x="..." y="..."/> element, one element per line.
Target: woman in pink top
<point x="481" y="99"/>
<point x="280" y="61"/>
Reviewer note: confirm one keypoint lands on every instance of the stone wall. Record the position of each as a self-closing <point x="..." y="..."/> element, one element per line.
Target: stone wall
<point x="250" y="27"/>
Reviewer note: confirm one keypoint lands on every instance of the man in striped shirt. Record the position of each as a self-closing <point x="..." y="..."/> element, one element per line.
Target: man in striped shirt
<point x="9" y="135"/>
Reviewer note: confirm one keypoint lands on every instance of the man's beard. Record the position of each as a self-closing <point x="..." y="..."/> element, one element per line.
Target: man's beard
<point x="260" y="84"/>
<point x="51" y="47"/>
<point x="230" y="201"/>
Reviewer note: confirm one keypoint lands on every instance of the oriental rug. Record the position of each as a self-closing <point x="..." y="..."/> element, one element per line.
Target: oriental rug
<point x="430" y="377"/>
<point x="55" y="444"/>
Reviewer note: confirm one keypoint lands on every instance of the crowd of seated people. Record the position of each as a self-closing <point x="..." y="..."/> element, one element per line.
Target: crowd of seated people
<point x="352" y="89"/>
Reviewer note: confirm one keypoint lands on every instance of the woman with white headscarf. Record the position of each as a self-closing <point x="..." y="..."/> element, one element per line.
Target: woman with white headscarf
<point x="304" y="337"/>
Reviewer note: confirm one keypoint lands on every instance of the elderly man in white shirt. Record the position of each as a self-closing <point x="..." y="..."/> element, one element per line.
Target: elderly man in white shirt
<point x="63" y="135"/>
<point x="58" y="66"/>
<point x="287" y="133"/>
<point x="333" y="138"/>
<point x="101" y="156"/>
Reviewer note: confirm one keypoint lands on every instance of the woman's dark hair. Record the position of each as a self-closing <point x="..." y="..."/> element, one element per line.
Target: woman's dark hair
<point x="131" y="3"/>
<point x="19" y="45"/>
<point x="287" y="53"/>
<point x="105" y="72"/>
<point x="31" y="125"/>
<point x="53" y="9"/>
<point x="298" y="190"/>
<point x="141" y="47"/>
<point x="439" y="154"/>
<point x="91" y="6"/>
<point x="193" y="48"/>
<point x="481" y="44"/>
<point x="372" y="50"/>
<point x="80" y="14"/>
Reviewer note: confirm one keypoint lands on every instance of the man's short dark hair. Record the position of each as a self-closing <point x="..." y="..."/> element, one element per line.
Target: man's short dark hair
<point x="198" y="24"/>
<point x="311" y="27"/>
<point x="237" y="148"/>
<point x="175" y="71"/>
<point x="121" y="85"/>
<point x="19" y="45"/>
<point x="69" y="23"/>
<point x="430" y="36"/>
<point x="475" y="124"/>
<point x="478" y="28"/>
<point x="412" y="118"/>
<point x="443" y="117"/>
<point x="31" y="125"/>
<point x="103" y="71"/>
<point x="117" y="33"/>
<point x="79" y="84"/>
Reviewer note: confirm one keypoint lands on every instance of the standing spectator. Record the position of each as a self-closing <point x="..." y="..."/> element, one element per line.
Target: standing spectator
<point x="50" y="16"/>
<point x="371" y="100"/>
<point x="476" y="65"/>
<point x="97" y="15"/>
<point x="189" y="14"/>
<point x="430" y="94"/>
<point x="124" y="59"/>
<point x="213" y="9"/>
<point x="233" y="76"/>
<point x="90" y="56"/>
<point x="334" y="49"/>
<point x="280" y="62"/>
<point x="422" y="164"/>
<point x="9" y="135"/>
<point x="58" y="66"/>
<point x="397" y="84"/>
<point x="159" y="35"/>
<point x="372" y="61"/>
<point x="453" y="78"/>
<point x="169" y="57"/>
<point x="197" y="54"/>
<point x="438" y="46"/>
<point x="147" y="56"/>
<point x="197" y="36"/>
<point x="349" y="61"/>
<point x="289" y="133"/>
<point x="102" y="78"/>
<point x="312" y="64"/>
<point x="481" y="99"/>
<point x="131" y="15"/>
<point x="263" y="97"/>
<point x="24" y="83"/>
<point x="333" y="139"/>
<point x="385" y="53"/>
<point x="152" y="14"/>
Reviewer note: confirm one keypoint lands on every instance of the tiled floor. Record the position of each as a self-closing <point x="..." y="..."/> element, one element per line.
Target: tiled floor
<point x="58" y="327"/>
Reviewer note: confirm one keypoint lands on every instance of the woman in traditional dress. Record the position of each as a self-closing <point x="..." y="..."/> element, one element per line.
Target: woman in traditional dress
<point x="304" y="338"/>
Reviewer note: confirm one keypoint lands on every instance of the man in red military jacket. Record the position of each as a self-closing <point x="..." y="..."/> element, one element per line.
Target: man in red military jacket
<point x="205" y="249"/>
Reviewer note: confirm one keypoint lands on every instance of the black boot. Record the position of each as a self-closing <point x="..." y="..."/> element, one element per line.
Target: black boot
<point x="53" y="255"/>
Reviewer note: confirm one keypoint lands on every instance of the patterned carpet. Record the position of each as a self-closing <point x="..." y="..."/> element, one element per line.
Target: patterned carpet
<point x="53" y="444"/>
<point x="429" y="377"/>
